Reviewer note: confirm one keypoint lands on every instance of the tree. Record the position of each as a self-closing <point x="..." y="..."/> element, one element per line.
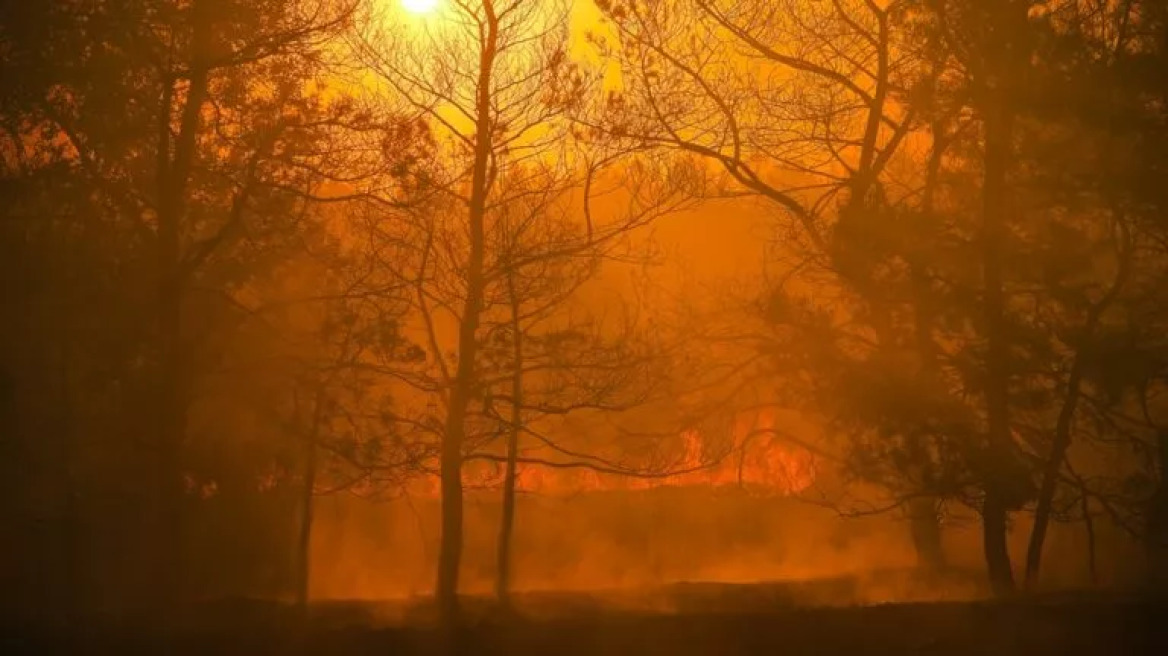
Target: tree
<point x="553" y="358"/>
<point x="818" y="109"/>
<point x="810" y="107"/>
<point x="425" y="73"/>
<point x="991" y="36"/>
<point x="1103" y="47"/>
<point x="493" y="87"/>
<point x="220" y="45"/>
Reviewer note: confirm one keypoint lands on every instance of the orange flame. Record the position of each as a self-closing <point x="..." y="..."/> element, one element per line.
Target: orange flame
<point x="758" y="460"/>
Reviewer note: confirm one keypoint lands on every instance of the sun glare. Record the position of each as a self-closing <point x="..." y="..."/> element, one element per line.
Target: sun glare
<point x="420" y="6"/>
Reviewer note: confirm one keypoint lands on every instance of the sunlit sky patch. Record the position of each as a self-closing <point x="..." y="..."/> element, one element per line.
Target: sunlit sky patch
<point x="420" y="6"/>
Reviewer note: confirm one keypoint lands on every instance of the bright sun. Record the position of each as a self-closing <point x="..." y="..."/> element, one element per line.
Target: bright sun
<point x="420" y="6"/>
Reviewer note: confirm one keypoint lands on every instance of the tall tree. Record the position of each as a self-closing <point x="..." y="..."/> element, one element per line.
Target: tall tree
<point x="476" y="75"/>
<point x="510" y="184"/>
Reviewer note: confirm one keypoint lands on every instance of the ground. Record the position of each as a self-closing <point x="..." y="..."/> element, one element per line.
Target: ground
<point x="709" y="620"/>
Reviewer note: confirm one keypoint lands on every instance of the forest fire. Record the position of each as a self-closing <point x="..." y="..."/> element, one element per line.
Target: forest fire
<point x="461" y="301"/>
<point x="765" y="467"/>
<point x="753" y="457"/>
<point x="763" y="464"/>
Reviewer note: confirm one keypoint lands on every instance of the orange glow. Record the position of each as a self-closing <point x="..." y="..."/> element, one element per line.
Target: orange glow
<point x="760" y="462"/>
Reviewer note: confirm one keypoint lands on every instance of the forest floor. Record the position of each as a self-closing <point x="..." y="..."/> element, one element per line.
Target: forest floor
<point x="700" y="620"/>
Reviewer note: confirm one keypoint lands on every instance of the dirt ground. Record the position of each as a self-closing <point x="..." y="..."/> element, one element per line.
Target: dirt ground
<point x="709" y="620"/>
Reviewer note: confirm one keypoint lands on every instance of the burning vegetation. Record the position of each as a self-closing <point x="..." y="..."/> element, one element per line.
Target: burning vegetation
<point x="444" y="301"/>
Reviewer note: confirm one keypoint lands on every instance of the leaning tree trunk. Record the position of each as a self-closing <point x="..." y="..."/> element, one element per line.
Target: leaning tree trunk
<point x="1050" y="474"/>
<point x="507" y="521"/>
<point x="450" y="549"/>
<point x="1063" y="427"/>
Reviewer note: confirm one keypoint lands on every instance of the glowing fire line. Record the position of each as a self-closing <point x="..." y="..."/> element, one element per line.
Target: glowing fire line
<point x="759" y="461"/>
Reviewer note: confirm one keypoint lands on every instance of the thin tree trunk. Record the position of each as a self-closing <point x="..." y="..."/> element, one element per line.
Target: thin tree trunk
<point x="172" y="422"/>
<point x="74" y="608"/>
<point x="925" y="521"/>
<point x="507" y="521"/>
<point x="999" y="122"/>
<point x="925" y="524"/>
<point x="307" y="508"/>
<point x="450" y="549"/>
<point x="1089" y="526"/>
<point x="1156" y="540"/>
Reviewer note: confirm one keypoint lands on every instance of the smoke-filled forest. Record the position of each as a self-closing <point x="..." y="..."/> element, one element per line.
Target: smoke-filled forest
<point x="584" y="326"/>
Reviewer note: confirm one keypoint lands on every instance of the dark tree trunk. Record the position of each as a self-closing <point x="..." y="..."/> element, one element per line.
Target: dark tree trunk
<point x="1063" y="427"/>
<point x="173" y="371"/>
<point x="450" y="549"/>
<point x="450" y="546"/>
<point x="175" y="163"/>
<point x="1050" y="474"/>
<point x="998" y="120"/>
<point x="1157" y="523"/>
<point x="995" y="531"/>
<point x="925" y="523"/>
<point x="924" y="518"/>
<point x="75" y="547"/>
<point x="1089" y="528"/>
<point x="507" y="521"/>
<point x="172" y="412"/>
<point x="307" y="508"/>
